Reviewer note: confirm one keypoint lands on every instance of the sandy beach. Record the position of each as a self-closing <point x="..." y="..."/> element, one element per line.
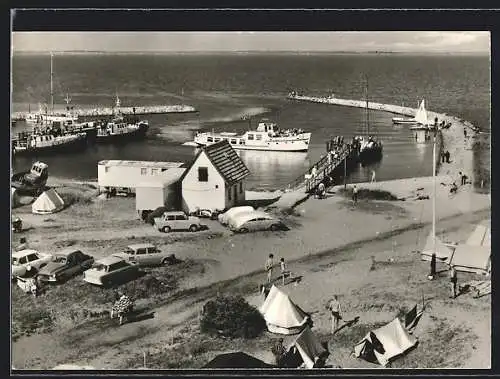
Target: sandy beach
<point x="367" y="253"/>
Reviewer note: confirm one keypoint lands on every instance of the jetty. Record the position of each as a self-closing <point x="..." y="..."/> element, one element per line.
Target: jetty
<point x="109" y="111"/>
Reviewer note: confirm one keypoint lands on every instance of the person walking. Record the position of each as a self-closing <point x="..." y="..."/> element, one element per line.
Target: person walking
<point x="355" y="194"/>
<point x="453" y="282"/>
<point x="335" y="311"/>
<point x="283" y="270"/>
<point x="373" y="176"/>
<point x="269" y="267"/>
<point x="279" y="351"/>
<point x="447" y="154"/>
<point x="432" y="274"/>
<point x="443" y="157"/>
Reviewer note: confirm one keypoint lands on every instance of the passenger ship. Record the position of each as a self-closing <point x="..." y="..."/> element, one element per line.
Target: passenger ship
<point x="268" y="137"/>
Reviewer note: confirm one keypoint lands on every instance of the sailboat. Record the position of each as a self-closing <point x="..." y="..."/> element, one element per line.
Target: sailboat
<point x="370" y="147"/>
<point x="403" y="120"/>
<point x="43" y="117"/>
<point x="421" y="118"/>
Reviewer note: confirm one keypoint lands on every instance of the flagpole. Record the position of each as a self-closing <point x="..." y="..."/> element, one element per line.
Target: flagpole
<point x="434" y="190"/>
<point x="51" y="84"/>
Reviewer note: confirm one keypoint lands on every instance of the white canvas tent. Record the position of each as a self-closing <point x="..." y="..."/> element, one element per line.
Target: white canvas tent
<point x="309" y="347"/>
<point x="481" y="236"/>
<point x="470" y="258"/>
<point x="282" y="315"/>
<point x="444" y="252"/>
<point x="385" y="343"/>
<point x="48" y="202"/>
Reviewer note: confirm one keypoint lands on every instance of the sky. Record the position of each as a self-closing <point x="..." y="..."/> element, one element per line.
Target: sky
<point x="407" y="41"/>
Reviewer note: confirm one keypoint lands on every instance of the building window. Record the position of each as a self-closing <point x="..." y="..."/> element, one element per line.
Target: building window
<point x="144" y="171"/>
<point x="216" y="186"/>
<point x="210" y="139"/>
<point x="203" y="174"/>
<point x="250" y="137"/>
<point x="233" y="140"/>
<point x="154" y="171"/>
<point x="241" y="187"/>
<point x="229" y="193"/>
<point x="258" y="137"/>
<point x="106" y="169"/>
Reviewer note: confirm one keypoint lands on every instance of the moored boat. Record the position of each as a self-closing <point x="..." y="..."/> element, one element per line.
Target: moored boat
<point x="37" y="144"/>
<point x="121" y="129"/>
<point x="268" y="137"/>
<point x="403" y="120"/>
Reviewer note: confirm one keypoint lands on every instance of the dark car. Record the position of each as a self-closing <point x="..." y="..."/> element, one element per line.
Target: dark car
<point x="65" y="265"/>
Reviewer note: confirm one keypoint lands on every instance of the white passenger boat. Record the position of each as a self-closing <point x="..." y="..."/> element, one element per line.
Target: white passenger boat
<point x="268" y="137"/>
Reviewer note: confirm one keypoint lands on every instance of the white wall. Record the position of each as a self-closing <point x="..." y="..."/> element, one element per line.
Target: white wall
<point x="203" y="195"/>
<point x="126" y="176"/>
<point x="240" y="195"/>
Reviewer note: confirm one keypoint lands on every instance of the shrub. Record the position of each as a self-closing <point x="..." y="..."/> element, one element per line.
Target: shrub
<point x="232" y="317"/>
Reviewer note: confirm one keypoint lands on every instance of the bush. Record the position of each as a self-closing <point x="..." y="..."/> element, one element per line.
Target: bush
<point x="231" y="317"/>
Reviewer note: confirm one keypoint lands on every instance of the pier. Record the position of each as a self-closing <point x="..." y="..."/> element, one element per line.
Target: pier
<point x="109" y="111"/>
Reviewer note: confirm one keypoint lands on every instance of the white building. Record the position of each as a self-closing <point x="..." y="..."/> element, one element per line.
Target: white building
<point x="215" y="180"/>
<point x="164" y="193"/>
<point x="125" y="175"/>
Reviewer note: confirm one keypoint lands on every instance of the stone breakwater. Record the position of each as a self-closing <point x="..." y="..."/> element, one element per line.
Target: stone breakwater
<point x="108" y="111"/>
<point x="451" y="139"/>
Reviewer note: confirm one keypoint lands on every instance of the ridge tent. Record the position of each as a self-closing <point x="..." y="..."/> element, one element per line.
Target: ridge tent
<point x="481" y="236"/>
<point x="384" y="344"/>
<point x="236" y="359"/>
<point x="470" y="258"/>
<point x="444" y="252"/>
<point x="48" y="202"/>
<point x="282" y="315"/>
<point x="307" y="350"/>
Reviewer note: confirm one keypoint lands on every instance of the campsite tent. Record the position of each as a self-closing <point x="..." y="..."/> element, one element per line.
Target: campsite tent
<point x="281" y="314"/>
<point x="48" y="202"/>
<point x="481" y="236"/>
<point x="307" y="350"/>
<point x="383" y="344"/>
<point x="472" y="259"/>
<point x="236" y="359"/>
<point x="443" y="252"/>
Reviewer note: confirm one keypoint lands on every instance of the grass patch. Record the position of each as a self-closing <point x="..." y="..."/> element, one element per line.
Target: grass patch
<point x="76" y="301"/>
<point x="74" y="196"/>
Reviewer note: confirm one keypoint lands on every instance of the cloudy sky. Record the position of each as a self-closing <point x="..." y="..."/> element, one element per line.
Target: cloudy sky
<point x="418" y="41"/>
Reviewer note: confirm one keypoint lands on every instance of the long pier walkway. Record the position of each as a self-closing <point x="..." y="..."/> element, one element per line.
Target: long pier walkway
<point x="109" y="111"/>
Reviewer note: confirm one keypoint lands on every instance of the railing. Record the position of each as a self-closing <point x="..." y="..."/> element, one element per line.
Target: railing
<point x="323" y="169"/>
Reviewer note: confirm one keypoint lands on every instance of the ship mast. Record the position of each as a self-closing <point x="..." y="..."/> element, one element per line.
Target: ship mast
<point x="367" y="109"/>
<point x="51" y="84"/>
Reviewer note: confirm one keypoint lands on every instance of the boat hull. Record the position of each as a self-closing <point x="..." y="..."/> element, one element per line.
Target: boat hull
<point x="370" y="155"/>
<point x="400" y="120"/>
<point x="302" y="148"/>
<point x="123" y="137"/>
<point x="76" y="145"/>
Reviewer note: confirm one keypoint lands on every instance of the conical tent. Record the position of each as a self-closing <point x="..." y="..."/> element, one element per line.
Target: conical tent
<point x="443" y="252"/>
<point x="309" y="348"/>
<point x="282" y="315"/>
<point x="48" y="202"/>
<point x="385" y="343"/>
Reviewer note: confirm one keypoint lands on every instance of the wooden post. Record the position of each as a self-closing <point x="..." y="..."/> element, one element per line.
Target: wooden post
<point x="144" y="355"/>
<point x="345" y="172"/>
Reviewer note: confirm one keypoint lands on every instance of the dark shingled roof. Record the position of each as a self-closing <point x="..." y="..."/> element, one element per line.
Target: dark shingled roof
<point x="226" y="161"/>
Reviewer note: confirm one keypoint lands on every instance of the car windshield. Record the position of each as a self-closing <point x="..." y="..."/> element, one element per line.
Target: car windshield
<point x="59" y="259"/>
<point x="128" y="250"/>
<point x="99" y="267"/>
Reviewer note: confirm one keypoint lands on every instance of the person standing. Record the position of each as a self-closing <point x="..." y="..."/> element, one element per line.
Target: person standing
<point x="335" y="310"/>
<point x="269" y="267"/>
<point x="279" y="351"/>
<point x="447" y="156"/>
<point x="283" y="270"/>
<point x="373" y="176"/>
<point x="453" y="282"/>
<point x="355" y="194"/>
<point x="432" y="275"/>
<point x="465" y="133"/>
<point x="442" y="157"/>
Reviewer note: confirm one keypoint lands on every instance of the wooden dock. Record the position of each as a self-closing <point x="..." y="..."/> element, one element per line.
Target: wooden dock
<point x="327" y="167"/>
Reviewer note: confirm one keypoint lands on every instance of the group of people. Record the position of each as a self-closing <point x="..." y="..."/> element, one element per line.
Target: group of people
<point x="445" y="156"/>
<point x="269" y="266"/>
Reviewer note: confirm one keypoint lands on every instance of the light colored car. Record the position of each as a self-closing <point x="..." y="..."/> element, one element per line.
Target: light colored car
<point x="111" y="270"/>
<point x="178" y="220"/>
<point x="64" y="265"/>
<point x="27" y="260"/>
<point x="146" y="254"/>
<point x="255" y="221"/>
<point x="227" y="216"/>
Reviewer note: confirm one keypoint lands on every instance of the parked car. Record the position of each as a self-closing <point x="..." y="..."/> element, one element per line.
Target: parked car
<point x="206" y="213"/>
<point x="178" y="221"/>
<point x="111" y="270"/>
<point x="28" y="260"/>
<point x="255" y="221"/>
<point x="225" y="218"/>
<point x="146" y="254"/>
<point x="64" y="265"/>
<point x="17" y="224"/>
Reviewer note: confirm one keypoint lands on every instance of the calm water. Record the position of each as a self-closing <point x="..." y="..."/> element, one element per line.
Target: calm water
<point x="224" y="88"/>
